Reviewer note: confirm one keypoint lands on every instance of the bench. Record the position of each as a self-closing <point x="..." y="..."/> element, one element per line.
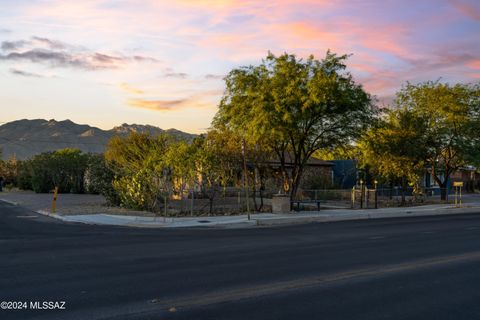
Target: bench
<point x="298" y="202"/>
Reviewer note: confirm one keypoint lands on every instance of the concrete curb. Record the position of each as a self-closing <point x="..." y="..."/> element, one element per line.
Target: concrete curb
<point x="367" y="216"/>
<point x="10" y="202"/>
<point x="130" y="221"/>
<point x="49" y="214"/>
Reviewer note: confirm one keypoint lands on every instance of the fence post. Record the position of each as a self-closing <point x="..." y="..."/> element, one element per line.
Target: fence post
<point x="361" y="194"/>
<point x="460" y="196"/>
<point x="367" y="196"/>
<point x="239" y="202"/>
<point x="165" y="207"/>
<point x="376" y="194"/>
<point x="191" y="203"/>
<point x="353" y="197"/>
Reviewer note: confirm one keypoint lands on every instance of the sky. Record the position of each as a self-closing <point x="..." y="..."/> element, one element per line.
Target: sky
<point x="108" y="62"/>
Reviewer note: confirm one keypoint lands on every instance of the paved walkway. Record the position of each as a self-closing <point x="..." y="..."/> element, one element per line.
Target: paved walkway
<point x="267" y="219"/>
<point x="67" y="204"/>
<point x="90" y="209"/>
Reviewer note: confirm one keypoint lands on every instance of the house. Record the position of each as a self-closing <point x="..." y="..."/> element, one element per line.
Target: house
<point x="345" y="173"/>
<point x="317" y="174"/>
<point x="470" y="177"/>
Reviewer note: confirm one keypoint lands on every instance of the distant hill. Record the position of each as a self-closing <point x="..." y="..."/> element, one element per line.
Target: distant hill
<point x="26" y="138"/>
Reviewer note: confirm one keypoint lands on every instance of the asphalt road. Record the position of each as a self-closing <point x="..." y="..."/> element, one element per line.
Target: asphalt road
<point x="410" y="268"/>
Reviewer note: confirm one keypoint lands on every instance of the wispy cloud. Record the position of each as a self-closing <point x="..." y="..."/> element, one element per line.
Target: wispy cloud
<point x="144" y="59"/>
<point x="13" y="45"/>
<point x="180" y="75"/>
<point x="468" y="8"/>
<point x="214" y="76"/>
<point x="170" y="73"/>
<point x="91" y="61"/>
<point x="35" y="42"/>
<point x="132" y="42"/>
<point x="54" y="44"/>
<point x="131" y="90"/>
<point x="59" y="54"/>
<point x="159" y="105"/>
<point x="22" y="73"/>
<point x="198" y="100"/>
<point x="474" y="64"/>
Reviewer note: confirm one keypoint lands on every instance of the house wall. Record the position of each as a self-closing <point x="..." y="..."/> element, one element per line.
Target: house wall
<point x="317" y="178"/>
<point x="344" y="173"/>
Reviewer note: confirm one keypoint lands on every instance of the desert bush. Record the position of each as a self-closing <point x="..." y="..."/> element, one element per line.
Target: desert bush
<point x="99" y="179"/>
<point x="63" y="168"/>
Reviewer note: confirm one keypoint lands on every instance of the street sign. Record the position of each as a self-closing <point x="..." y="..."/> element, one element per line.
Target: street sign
<point x="458" y="183"/>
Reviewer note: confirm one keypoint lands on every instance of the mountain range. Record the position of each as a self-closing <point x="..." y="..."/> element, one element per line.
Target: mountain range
<point x="26" y="138"/>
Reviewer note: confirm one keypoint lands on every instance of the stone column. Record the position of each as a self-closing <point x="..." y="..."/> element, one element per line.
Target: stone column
<point x="280" y="203"/>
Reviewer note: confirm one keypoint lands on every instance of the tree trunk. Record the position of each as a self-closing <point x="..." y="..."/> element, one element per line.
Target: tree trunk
<point x="285" y="181"/>
<point x="443" y="190"/>
<point x="254" y="189"/>
<point x="390" y="195"/>
<point x="443" y="184"/>
<point x="210" y="200"/>
<point x="261" y="199"/>
<point x="296" y="178"/>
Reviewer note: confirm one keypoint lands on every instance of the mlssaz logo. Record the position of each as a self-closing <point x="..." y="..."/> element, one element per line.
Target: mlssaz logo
<point x="47" y="305"/>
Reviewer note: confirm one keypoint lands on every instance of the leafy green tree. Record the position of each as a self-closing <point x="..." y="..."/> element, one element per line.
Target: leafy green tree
<point x="67" y="169"/>
<point x="25" y="171"/>
<point x="99" y="178"/>
<point x="239" y="162"/>
<point x="63" y="168"/>
<point x="210" y="169"/>
<point x="295" y="107"/>
<point x="9" y="171"/>
<point x="179" y="158"/>
<point x="343" y="152"/>
<point x="452" y="123"/>
<point x="141" y="174"/>
<point x="391" y="148"/>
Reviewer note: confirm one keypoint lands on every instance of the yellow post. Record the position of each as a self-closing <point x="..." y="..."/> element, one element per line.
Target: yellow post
<point x="54" y="202"/>
<point x="458" y="185"/>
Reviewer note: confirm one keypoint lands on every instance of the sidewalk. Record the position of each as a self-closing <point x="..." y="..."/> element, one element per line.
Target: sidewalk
<point x="101" y="217"/>
<point x="266" y="219"/>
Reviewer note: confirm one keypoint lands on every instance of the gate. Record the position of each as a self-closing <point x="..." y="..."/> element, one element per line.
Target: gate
<point x="364" y="198"/>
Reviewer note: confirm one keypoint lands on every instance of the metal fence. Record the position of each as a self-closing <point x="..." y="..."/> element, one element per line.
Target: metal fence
<point x="393" y="197"/>
<point x="230" y="201"/>
<point x="226" y="201"/>
<point x="370" y="197"/>
<point x="329" y="198"/>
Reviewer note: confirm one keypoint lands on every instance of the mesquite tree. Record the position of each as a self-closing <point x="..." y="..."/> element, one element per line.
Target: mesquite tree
<point x="295" y="107"/>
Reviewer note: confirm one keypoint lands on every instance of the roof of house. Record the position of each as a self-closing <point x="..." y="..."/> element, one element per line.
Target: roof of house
<point x="312" y="162"/>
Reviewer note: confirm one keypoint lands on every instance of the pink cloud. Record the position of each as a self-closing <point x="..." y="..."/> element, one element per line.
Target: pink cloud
<point x="391" y="41"/>
<point x="468" y="8"/>
<point x="197" y="100"/>
<point x="475" y="64"/>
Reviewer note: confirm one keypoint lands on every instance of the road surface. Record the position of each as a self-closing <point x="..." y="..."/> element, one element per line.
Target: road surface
<point x="409" y="268"/>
